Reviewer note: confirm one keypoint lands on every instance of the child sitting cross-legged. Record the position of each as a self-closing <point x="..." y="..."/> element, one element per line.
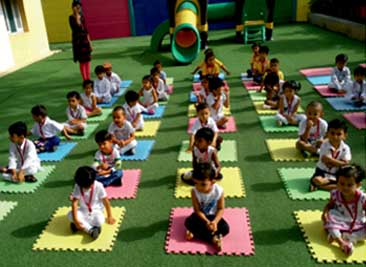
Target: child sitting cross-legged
<point x="206" y="222"/>
<point x="123" y="134"/>
<point x="158" y="84"/>
<point x="344" y="216"/>
<point x="76" y="114"/>
<point x="203" y="93"/>
<point x="312" y="130"/>
<point x="341" y="75"/>
<point x="89" y="100"/>
<point x="271" y="86"/>
<point x="107" y="161"/>
<point x="150" y="102"/>
<point x="102" y="86"/>
<point x="92" y="198"/>
<point x="356" y="90"/>
<point x="23" y="158"/>
<point x="133" y="110"/>
<point x="217" y="100"/>
<point x="288" y="105"/>
<point x="334" y="153"/>
<point x="112" y="77"/>
<point x="203" y="152"/>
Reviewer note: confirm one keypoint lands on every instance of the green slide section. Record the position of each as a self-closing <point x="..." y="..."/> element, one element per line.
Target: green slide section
<point x="159" y="34"/>
<point x="186" y="55"/>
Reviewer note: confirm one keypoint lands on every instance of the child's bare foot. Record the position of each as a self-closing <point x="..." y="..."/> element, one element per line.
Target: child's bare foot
<point x="217" y="242"/>
<point x="347" y="248"/>
<point x="189" y="235"/>
<point x="312" y="187"/>
<point x="330" y="239"/>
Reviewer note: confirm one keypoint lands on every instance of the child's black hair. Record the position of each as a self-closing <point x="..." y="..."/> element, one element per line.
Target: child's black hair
<point x="208" y="54"/>
<point x="131" y="96"/>
<point x="215" y="83"/>
<point x="87" y="82"/>
<point x="203" y="171"/>
<point x="154" y="70"/>
<point x="205" y="133"/>
<point x="292" y="84"/>
<point x="102" y="136"/>
<point x="359" y="71"/>
<point x="201" y="106"/>
<point x="75" y="3"/>
<point x="208" y="50"/>
<point x="73" y="94"/>
<point x="274" y="61"/>
<point x="351" y="171"/>
<point x="255" y="44"/>
<point x="99" y="69"/>
<point x="264" y="49"/>
<point x="119" y="108"/>
<point x="19" y="128"/>
<point x="157" y="62"/>
<point x="314" y="104"/>
<point x="39" y="110"/>
<point x="338" y="124"/>
<point x="271" y="79"/>
<point x="341" y="58"/>
<point x="85" y="176"/>
<point x="146" y="78"/>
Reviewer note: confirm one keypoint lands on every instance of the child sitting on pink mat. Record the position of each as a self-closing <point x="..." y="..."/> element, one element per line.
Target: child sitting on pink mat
<point x="206" y="222"/>
<point x="344" y="216"/>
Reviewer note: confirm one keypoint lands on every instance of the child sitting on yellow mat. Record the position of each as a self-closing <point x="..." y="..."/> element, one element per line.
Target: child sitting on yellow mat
<point x="344" y="216"/>
<point x="211" y="65"/>
<point x="92" y="198"/>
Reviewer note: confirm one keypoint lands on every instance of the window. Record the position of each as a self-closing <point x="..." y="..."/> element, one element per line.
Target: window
<point x="14" y="15"/>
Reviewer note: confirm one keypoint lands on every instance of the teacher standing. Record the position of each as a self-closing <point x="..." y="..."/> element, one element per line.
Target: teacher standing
<point x="81" y="45"/>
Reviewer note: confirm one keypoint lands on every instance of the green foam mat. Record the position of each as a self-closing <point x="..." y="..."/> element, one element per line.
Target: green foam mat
<point x="9" y="187"/>
<point x="297" y="182"/>
<point x="90" y="128"/>
<point x="105" y="114"/>
<point x="228" y="152"/>
<point x="256" y="96"/>
<point x="270" y="126"/>
<point x="6" y="207"/>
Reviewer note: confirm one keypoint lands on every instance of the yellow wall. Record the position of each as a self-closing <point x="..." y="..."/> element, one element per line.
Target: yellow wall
<point x="56" y="15"/>
<point x="302" y="10"/>
<point x="32" y="44"/>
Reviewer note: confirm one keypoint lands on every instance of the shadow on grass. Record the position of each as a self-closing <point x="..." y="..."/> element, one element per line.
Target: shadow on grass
<point x="88" y="154"/>
<point x="174" y="148"/>
<point x="56" y="184"/>
<point x="276" y="237"/>
<point x="166" y="180"/>
<point x="29" y="230"/>
<point x="267" y="187"/>
<point x="259" y="157"/>
<point x="175" y="128"/>
<point x="143" y="232"/>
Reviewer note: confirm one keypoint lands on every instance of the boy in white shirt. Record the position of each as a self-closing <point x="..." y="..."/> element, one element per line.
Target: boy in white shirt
<point x="216" y="101"/>
<point x="46" y="130"/>
<point x="113" y="77"/>
<point x="133" y="110"/>
<point x="356" y="90"/>
<point x="158" y="84"/>
<point x="92" y="197"/>
<point x="123" y="134"/>
<point x="23" y="158"/>
<point x="76" y="114"/>
<point x="159" y="66"/>
<point x="312" y="130"/>
<point x="341" y="75"/>
<point x="333" y="154"/>
<point x="102" y="86"/>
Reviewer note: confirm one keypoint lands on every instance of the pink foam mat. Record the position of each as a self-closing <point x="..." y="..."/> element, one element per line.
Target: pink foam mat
<point x="324" y="90"/>
<point x="197" y="86"/>
<point x="230" y="127"/>
<point x="239" y="241"/>
<point x="316" y="71"/>
<point x="250" y="85"/>
<point x="170" y="89"/>
<point x="363" y="65"/>
<point x="357" y="119"/>
<point x="130" y="182"/>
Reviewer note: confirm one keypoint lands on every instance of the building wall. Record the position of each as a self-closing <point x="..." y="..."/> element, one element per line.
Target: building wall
<point x="56" y="16"/>
<point x="32" y="44"/>
<point x="6" y="54"/>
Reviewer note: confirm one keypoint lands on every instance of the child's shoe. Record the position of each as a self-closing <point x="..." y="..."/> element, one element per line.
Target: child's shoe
<point x="219" y="140"/>
<point x="30" y="179"/>
<point x="151" y="112"/>
<point x="217" y="242"/>
<point x="187" y="178"/>
<point x="95" y="232"/>
<point x="347" y="248"/>
<point x="73" y="228"/>
<point x="279" y="123"/>
<point x="130" y="152"/>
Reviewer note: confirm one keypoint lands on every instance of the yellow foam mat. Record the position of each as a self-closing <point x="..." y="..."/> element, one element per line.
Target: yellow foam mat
<point x="232" y="183"/>
<point x="258" y="105"/>
<point x="285" y="150"/>
<point x="150" y="129"/>
<point x="58" y="236"/>
<point x="316" y="239"/>
<point x="192" y="111"/>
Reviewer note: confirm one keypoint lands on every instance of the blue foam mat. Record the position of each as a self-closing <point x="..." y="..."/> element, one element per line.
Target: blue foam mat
<point x="110" y="104"/>
<point x="126" y="83"/>
<point x="192" y="97"/>
<point x="159" y="112"/>
<point x="340" y="103"/>
<point x="196" y="77"/>
<point x="120" y="92"/>
<point x="62" y="151"/>
<point x="319" y="80"/>
<point x="143" y="150"/>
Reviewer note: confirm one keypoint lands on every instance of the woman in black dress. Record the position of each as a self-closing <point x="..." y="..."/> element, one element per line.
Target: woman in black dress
<point x="81" y="44"/>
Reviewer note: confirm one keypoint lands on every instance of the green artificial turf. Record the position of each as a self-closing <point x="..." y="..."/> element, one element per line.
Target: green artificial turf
<point x="141" y="239"/>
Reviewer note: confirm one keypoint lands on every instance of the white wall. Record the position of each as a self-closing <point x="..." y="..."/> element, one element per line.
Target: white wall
<point x="6" y="54"/>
